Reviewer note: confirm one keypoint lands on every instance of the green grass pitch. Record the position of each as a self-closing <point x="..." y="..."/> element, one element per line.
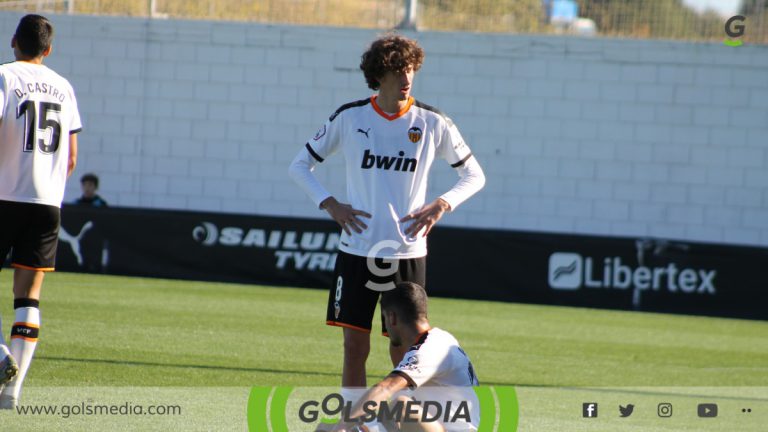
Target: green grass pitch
<point x="103" y="332"/>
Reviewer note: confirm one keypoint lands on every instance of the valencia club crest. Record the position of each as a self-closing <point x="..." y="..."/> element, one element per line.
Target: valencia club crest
<point x="414" y="134"/>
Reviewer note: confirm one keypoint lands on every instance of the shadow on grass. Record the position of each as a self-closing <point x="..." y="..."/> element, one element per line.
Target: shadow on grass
<point x="184" y="366"/>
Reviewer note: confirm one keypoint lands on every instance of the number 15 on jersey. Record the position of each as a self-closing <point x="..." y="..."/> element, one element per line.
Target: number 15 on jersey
<point x="42" y="125"/>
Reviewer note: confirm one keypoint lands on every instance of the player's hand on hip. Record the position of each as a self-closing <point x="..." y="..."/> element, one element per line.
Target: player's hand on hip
<point x="426" y="217"/>
<point x="346" y="216"/>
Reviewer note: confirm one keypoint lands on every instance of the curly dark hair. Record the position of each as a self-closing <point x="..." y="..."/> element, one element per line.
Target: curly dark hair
<point x="390" y="53"/>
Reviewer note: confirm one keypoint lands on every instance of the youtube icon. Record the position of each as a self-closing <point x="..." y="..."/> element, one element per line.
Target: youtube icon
<point x="707" y="410"/>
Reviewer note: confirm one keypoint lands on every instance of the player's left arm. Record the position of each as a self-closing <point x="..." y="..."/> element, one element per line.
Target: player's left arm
<point x="471" y="179"/>
<point x="372" y="398"/>
<point x="72" y="162"/>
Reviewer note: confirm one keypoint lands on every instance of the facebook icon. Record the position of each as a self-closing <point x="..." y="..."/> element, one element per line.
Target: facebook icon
<point x="589" y="409"/>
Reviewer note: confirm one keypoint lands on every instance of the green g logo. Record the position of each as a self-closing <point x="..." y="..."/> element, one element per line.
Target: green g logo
<point x="734" y="28"/>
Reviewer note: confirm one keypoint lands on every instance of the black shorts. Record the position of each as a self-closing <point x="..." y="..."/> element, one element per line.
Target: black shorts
<point x="351" y="303"/>
<point x="32" y="232"/>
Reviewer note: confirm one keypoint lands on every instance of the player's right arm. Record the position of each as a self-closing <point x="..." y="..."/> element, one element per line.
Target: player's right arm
<point x="72" y="162"/>
<point x="314" y="151"/>
<point x="373" y="398"/>
<point x="326" y="141"/>
<point x="345" y="215"/>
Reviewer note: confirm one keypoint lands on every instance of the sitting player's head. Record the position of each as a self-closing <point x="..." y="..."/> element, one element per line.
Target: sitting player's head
<point x="404" y="308"/>
<point x="33" y="37"/>
<point x="391" y="61"/>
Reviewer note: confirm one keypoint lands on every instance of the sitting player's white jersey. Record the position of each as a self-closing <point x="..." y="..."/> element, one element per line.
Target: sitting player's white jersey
<point x="388" y="158"/>
<point x="39" y="112"/>
<point x="437" y="365"/>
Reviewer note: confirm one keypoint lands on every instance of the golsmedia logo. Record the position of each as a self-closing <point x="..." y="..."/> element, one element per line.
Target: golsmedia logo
<point x="430" y="411"/>
<point x="571" y="271"/>
<point x="389" y="266"/>
<point x="284" y="409"/>
<point x="735" y="29"/>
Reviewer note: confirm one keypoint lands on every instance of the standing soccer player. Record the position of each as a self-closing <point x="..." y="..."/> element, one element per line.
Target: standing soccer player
<point x="38" y="151"/>
<point x="389" y="142"/>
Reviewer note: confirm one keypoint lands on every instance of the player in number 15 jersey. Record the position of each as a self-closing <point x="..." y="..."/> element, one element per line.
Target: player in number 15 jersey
<point x="39" y="114"/>
<point x="39" y="122"/>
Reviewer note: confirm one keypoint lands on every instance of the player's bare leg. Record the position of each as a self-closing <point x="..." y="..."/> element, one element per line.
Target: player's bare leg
<point x="26" y="292"/>
<point x="27" y="283"/>
<point x="357" y="346"/>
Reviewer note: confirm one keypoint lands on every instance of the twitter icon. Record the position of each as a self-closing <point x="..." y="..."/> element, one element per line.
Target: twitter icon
<point x="627" y="410"/>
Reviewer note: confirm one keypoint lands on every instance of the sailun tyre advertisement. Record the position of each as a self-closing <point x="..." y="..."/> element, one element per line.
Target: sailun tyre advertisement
<point x="644" y="274"/>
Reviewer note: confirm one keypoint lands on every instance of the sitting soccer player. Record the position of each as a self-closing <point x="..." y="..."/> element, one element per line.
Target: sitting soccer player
<point x="435" y="363"/>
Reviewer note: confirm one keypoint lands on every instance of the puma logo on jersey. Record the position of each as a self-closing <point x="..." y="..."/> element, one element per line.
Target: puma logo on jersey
<point x="388" y="162"/>
<point x="364" y="132"/>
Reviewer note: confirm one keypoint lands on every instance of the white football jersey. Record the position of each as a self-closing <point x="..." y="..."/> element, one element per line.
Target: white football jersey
<point x="39" y="112"/>
<point x="388" y="158"/>
<point x="438" y="367"/>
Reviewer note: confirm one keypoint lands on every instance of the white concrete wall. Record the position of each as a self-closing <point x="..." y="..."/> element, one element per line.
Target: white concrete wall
<point x="593" y="136"/>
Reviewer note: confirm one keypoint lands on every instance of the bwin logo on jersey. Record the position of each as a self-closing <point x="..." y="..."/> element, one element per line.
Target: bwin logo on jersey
<point x="388" y="162"/>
